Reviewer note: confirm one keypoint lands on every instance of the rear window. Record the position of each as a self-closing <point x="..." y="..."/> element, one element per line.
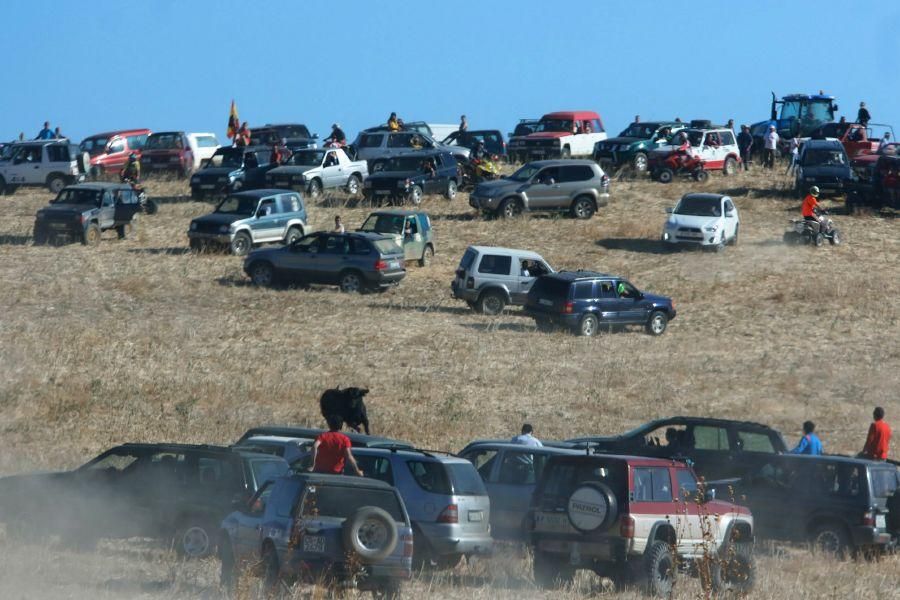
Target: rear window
<point x="447" y="479"/>
<point x="342" y="501"/>
<point x="467" y="259"/>
<point x="884" y="482"/>
<point x="264" y="470"/>
<point x="465" y="480"/>
<point x="576" y="173"/>
<point x="551" y="287"/>
<point x="561" y="479"/>
<point x="370" y="140"/>
<point x="495" y="264"/>
<point x="387" y="247"/>
<point x="206" y="141"/>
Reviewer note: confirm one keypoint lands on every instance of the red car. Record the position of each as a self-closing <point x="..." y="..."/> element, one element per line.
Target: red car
<point x="109" y="151"/>
<point x="167" y="151"/>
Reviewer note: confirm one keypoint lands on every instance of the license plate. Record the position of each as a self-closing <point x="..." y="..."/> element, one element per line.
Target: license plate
<point x="880" y="522"/>
<point x="476" y="516"/>
<point x="394" y="264"/>
<point x="545" y="302"/>
<point x="537" y="151"/>
<point x="313" y="543"/>
<point x="207" y="186"/>
<point x="382" y="192"/>
<point x="59" y="225"/>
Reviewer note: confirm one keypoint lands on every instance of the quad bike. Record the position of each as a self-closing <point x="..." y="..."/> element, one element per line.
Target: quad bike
<point x="477" y="170"/>
<point x="679" y="162"/>
<point x="803" y="231"/>
<point x="148" y="206"/>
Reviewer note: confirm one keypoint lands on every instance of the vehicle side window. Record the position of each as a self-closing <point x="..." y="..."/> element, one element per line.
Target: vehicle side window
<point x="607" y="289"/>
<point x="399" y="140"/>
<point x="116" y="146"/>
<point x="595" y="126"/>
<point x="251" y="161"/>
<point x="584" y="290"/>
<point x="729" y="206"/>
<point x="206" y="141"/>
<point x="214" y="472"/>
<point x="652" y="484"/>
<point x="359" y="247"/>
<point x="727" y="138"/>
<point x="336" y="244"/>
<point x="751" y="441"/>
<point x="376" y="467"/>
<point x="548" y="176"/>
<point x="136" y="142"/>
<point x="776" y="475"/>
<point x="291" y="203"/>
<point x="258" y="506"/>
<point x="308" y="244"/>
<point x="521" y="468"/>
<point x="267" y="207"/>
<point x="483" y="461"/>
<point x="430" y="476"/>
<point x="837" y="480"/>
<point x="285" y="497"/>
<point x="687" y="484"/>
<point x="575" y="173"/>
<point x="704" y="437"/>
<point x="628" y="290"/>
<point x="56" y="153"/>
<point x="371" y="140"/>
<point x="107" y="199"/>
<point x="494" y="264"/>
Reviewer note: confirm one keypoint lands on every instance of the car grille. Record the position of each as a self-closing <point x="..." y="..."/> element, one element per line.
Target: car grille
<point x="208" y="227"/>
<point x="551" y="143"/>
<point x="689" y="234"/>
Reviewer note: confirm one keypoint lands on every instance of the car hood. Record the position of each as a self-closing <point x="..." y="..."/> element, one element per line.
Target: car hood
<point x="693" y="221"/>
<point x="64" y="209"/>
<point x="547" y="135"/>
<point x="290" y="170"/>
<point x="826" y="171"/>
<point x="624" y="140"/>
<point x="219" y="219"/>
<point x="216" y="172"/>
<point x="657" y="300"/>
<point x="497" y="186"/>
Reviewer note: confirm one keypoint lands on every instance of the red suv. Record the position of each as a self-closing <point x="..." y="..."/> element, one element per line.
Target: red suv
<point x="109" y="151"/>
<point x="167" y="151"/>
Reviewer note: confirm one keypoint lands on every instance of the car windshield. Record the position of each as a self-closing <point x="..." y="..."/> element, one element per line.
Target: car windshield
<point x="387" y="247"/>
<point x="79" y="196"/>
<point x="115" y="461"/>
<point x="404" y="163"/>
<point x="94" y="145"/>
<point x="698" y="206"/>
<point x="524" y="128"/>
<point x="555" y="125"/>
<point x="265" y="469"/>
<point x="823" y="157"/>
<point x="811" y="111"/>
<point x="343" y="501"/>
<point x="164" y="141"/>
<point x="384" y="223"/>
<point x="639" y="130"/>
<point x="227" y="157"/>
<point x="525" y="173"/>
<point x="237" y="205"/>
<point x="307" y="158"/>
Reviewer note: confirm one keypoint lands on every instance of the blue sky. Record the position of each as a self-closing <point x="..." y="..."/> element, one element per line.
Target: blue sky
<point x="176" y="64"/>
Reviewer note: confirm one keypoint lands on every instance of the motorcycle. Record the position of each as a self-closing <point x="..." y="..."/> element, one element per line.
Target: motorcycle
<point x="148" y="205"/>
<point x="803" y="231"/>
<point x="679" y="162"/>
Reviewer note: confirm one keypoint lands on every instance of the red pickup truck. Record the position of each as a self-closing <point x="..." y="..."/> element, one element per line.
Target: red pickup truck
<point x="856" y="138"/>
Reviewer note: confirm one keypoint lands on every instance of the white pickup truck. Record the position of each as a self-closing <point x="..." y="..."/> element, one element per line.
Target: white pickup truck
<point x="313" y="170"/>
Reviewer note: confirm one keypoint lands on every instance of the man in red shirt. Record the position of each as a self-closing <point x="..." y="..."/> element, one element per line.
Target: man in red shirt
<point x="332" y="448"/>
<point x="879" y="437"/>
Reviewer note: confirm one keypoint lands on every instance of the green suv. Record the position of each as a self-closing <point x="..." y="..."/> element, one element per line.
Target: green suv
<point x="633" y="145"/>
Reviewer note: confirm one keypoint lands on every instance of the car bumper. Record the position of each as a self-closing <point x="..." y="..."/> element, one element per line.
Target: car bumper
<point x="560" y="319"/>
<point x="615" y="159"/>
<point x="541" y="152"/>
<point x="59" y="228"/>
<point x="482" y="203"/>
<point x="384" y="280"/>
<point x="219" y="238"/>
<point x="583" y="551"/>
<point x="461" y="293"/>
<point x="870" y="536"/>
<point x="679" y="238"/>
<point x="447" y="539"/>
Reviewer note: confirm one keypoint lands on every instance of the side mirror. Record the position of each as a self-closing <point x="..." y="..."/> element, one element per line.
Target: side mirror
<point x="670" y="210"/>
<point x="729" y="213"/>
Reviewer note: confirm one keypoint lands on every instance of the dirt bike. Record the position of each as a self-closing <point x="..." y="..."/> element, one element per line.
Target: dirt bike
<point x="148" y="206"/>
<point x="804" y="231"/>
<point x="678" y="162"/>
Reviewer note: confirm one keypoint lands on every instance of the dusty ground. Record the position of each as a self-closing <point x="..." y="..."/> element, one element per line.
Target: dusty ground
<point x="140" y="340"/>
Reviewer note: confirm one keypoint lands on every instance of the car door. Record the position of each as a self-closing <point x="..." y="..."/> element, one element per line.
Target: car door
<point x="398" y="143"/>
<point x="731" y="218"/>
<point x="334" y="257"/>
<point x="332" y="172"/>
<point x="607" y="301"/>
<point x="529" y="270"/>
<point x="752" y="449"/>
<point x="106" y="216"/>
<point x="248" y="527"/>
<point x="126" y="205"/>
<point x="545" y="192"/>
<point x="510" y="492"/>
<point x="629" y="308"/>
<point x="301" y="261"/>
<point x="775" y="493"/>
<point x="413" y="240"/>
<point x="265" y="226"/>
<point x="709" y="447"/>
<point x="25" y="166"/>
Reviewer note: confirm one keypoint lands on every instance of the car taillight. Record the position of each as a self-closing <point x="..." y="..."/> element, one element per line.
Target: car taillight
<point x="407" y="545"/>
<point x="381" y="265"/>
<point x="81" y="219"/>
<point x="568" y="307"/>
<point x="470" y="283"/>
<point x="604" y="180"/>
<point x="449" y="515"/>
<point x="868" y="519"/>
<point x="626" y="527"/>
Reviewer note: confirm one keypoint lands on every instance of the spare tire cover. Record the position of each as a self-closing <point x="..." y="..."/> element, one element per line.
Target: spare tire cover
<point x="589" y="508"/>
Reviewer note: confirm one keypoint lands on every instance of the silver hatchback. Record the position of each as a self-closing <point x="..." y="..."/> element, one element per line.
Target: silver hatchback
<point x="489" y="278"/>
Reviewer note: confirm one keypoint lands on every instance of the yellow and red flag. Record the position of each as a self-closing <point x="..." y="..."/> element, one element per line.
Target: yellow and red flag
<point x="233" y="122"/>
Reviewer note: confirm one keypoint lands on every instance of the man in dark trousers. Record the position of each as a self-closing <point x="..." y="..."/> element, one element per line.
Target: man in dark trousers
<point x="332" y="448"/>
<point x="863" y="117"/>
<point x="879" y="437"/>
<point x="745" y="146"/>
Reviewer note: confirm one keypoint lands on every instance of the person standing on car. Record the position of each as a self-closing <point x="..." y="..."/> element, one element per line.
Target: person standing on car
<point x="276" y="157"/>
<point x="46" y="133"/>
<point x="878" y="438"/>
<point x="332" y="450"/>
<point x="770" y="141"/>
<point x="338" y="225"/>
<point x="862" y="116"/>
<point x="58" y="135"/>
<point x="810" y="442"/>
<point x="338" y="137"/>
<point x="242" y="137"/>
<point x="393" y="122"/>
<point x="745" y="146"/>
<point x="526" y="438"/>
<point x="884" y="140"/>
<point x="463" y="124"/>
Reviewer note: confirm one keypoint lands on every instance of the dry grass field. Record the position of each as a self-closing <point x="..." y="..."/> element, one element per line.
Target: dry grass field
<point x="139" y="340"/>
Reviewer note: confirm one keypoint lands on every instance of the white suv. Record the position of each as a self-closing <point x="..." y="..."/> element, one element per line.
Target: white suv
<point x="715" y="146"/>
<point x="51" y="163"/>
<point x="705" y="220"/>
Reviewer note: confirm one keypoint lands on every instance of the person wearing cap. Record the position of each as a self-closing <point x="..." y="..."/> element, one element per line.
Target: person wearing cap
<point x="811" y="205"/>
<point x="745" y="145"/>
<point x="337" y="137"/>
<point x="770" y="141"/>
<point x="862" y="115"/>
<point x="810" y="442"/>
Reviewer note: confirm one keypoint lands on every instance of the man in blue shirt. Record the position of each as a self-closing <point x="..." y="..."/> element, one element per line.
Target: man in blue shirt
<point x="527" y="439"/>
<point x="46" y="133"/>
<point x="809" y="443"/>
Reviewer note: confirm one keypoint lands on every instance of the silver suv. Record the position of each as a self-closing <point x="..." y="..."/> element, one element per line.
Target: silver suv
<point x="577" y="186"/>
<point x="376" y="147"/>
<point x="51" y="163"/>
<point x="489" y="278"/>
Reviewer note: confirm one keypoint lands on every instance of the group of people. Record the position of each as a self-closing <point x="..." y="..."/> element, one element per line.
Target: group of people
<point x="876" y="447"/>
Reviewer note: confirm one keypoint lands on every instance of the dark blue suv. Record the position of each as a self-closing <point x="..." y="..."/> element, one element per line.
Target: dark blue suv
<point x="584" y="300"/>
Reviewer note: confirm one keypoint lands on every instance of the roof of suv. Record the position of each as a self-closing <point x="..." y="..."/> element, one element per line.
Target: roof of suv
<point x="398" y="212"/>
<point x="108" y="134"/>
<point x="828" y="144"/>
<point x="679" y="418"/>
<point x="357" y="439"/>
<point x="638" y="461"/>
<point x="571" y="114"/>
<point x="509" y="251"/>
<point x="342" y="480"/>
<point x="415" y="453"/>
<point x="99" y="185"/>
<point x="264" y="193"/>
<point x="578" y="275"/>
<point x="552" y="446"/>
<point x="192" y="447"/>
<point x="563" y="162"/>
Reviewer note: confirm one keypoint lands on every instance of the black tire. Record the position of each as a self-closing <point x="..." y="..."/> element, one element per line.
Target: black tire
<point x="510" y="208"/>
<point x="195" y="537"/>
<point x="491" y="302"/>
<point x="314" y="189"/>
<point x="228" y="574"/>
<point x="731" y="167"/>
<point x="150" y="206"/>
<point x="734" y="240"/>
<point x="415" y="195"/>
<point x="588" y="326"/>
<point x="197" y="245"/>
<point x="293" y="234"/>
<point x="583" y="207"/>
<point x="91" y="235"/>
<point x="40" y="237"/>
<point x="371" y="534"/>
<point x="271" y="569"/>
<point x="657" y="323"/>
<point x="734" y="570"/>
<point x="835" y="238"/>
<point x="639" y="162"/>
<point x="354" y="185"/>
<point x="720" y="246"/>
<point x="427" y="255"/>
<point x="701" y="175"/>
<point x="262" y="274"/>
<point x="450" y="194"/>
<point x="831" y="539"/>
<point x="665" y="175"/>
<point x="55" y="183"/>
<point x="551" y="571"/>
<point x="241" y="244"/>
<point x="659" y="570"/>
<point x="351" y="281"/>
<point x="819" y="239"/>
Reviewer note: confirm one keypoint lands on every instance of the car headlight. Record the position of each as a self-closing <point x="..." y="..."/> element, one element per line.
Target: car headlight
<point x="193" y="226"/>
<point x="231" y="178"/>
<point x="711" y="228"/>
<point x="224" y="228"/>
<point x="402" y="184"/>
<point x="195" y="180"/>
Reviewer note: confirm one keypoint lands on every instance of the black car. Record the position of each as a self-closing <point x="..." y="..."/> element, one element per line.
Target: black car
<point x="169" y="491"/>
<point x="837" y="503"/>
<point x="585" y="301"/>
<point x="358" y="440"/>
<point x="81" y="212"/>
<point x="293" y="135"/>
<point x="717" y="448"/>
<point x="232" y="169"/>
<point x="492" y="139"/>
<point x="823" y="163"/>
<point x="357" y="262"/>
<point x="412" y="176"/>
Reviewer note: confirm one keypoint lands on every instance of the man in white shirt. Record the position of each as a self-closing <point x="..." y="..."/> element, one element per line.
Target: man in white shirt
<point x="771" y="144"/>
<point x="526" y="438"/>
<point x="885" y="140"/>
